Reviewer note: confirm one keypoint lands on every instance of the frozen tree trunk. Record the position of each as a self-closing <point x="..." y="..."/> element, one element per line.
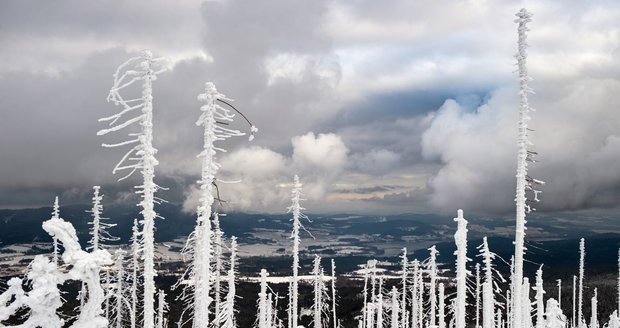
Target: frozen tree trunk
<point x="296" y="209"/>
<point x="380" y="304"/>
<point x="135" y="265"/>
<point x="44" y="297"/>
<point x="574" y="318"/>
<point x="318" y="292"/>
<point x="524" y="182"/>
<point x="365" y="292"/>
<point x="477" y="295"/>
<point x="227" y="314"/>
<point x="334" y="318"/>
<point x="120" y="278"/>
<point x="420" y="310"/>
<point x="395" y="308"/>
<point x="460" y="239"/>
<point x="442" y="306"/>
<point x="217" y="241"/>
<point x="161" y="309"/>
<point x="432" y="267"/>
<point x="143" y="154"/>
<point x="415" y="322"/>
<point x="526" y="313"/>
<point x="403" y="302"/>
<point x="262" y="301"/>
<point x="594" y="318"/>
<point x="540" y="305"/>
<point x="289" y="310"/>
<point x="488" y="298"/>
<point x="582" y="255"/>
<point x="618" y="281"/>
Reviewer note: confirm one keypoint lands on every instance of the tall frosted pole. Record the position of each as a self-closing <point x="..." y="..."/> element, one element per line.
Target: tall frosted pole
<point x="460" y="239"/>
<point x="524" y="182"/>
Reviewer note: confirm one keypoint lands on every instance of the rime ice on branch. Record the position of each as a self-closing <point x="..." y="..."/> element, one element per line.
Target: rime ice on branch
<point x="141" y="69"/>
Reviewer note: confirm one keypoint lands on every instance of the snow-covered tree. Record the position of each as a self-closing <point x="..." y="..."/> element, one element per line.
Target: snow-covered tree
<point x="162" y="309"/>
<point x="432" y="273"/>
<point x="594" y="310"/>
<point x="477" y="295"/>
<point x="321" y="305"/>
<point x="574" y="318"/>
<point x="526" y="310"/>
<point x="333" y="285"/>
<point x="296" y="209"/>
<point x="403" y="302"/>
<point x="524" y="155"/>
<point x="85" y="267"/>
<point x="263" y="317"/>
<point x="582" y="256"/>
<point x="199" y="246"/>
<point x="489" y="286"/>
<point x="394" y="323"/>
<point x="442" y="307"/>
<point x="55" y="215"/>
<point x="559" y="284"/>
<point x="141" y="156"/>
<point x="460" y="239"/>
<point x="554" y="318"/>
<point x="227" y="312"/>
<point x="121" y="305"/>
<point x="540" y="305"/>
<point x="99" y="232"/>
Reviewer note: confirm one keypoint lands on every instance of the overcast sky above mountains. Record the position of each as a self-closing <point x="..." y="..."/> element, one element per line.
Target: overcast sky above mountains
<point x="379" y="106"/>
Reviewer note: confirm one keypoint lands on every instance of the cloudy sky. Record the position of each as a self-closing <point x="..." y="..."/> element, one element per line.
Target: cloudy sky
<point x="380" y="106"/>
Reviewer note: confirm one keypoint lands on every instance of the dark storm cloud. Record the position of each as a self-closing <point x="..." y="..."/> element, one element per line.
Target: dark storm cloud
<point x="364" y="80"/>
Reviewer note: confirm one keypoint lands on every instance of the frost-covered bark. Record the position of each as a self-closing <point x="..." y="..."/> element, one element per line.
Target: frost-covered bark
<point x="162" y="309"/>
<point x="477" y="295"/>
<point x="442" y="307"/>
<point x="296" y="209"/>
<point x="403" y="302"/>
<point x="333" y="283"/>
<point x="85" y="267"/>
<point x="141" y="156"/>
<point x="55" y="214"/>
<point x="395" y="308"/>
<point x="526" y="309"/>
<point x="582" y="256"/>
<point x="574" y="318"/>
<point x="415" y="292"/>
<point x="226" y="317"/>
<point x="460" y="239"/>
<point x="135" y="267"/>
<point x="379" y="304"/>
<point x="432" y="272"/>
<point x="540" y="305"/>
<point x="488" y="286"/>
<point x="594" y="309"/>
<point x="120" y="301"/>
<point x="263" y="316"/>
<point x="217" y="255"/>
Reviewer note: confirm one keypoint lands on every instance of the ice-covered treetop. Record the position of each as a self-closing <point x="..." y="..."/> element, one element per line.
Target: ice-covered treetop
<point x="222" y="115"/>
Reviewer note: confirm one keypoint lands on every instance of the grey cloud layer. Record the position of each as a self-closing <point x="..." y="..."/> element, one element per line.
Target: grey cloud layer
<point x="370" y="80"/>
